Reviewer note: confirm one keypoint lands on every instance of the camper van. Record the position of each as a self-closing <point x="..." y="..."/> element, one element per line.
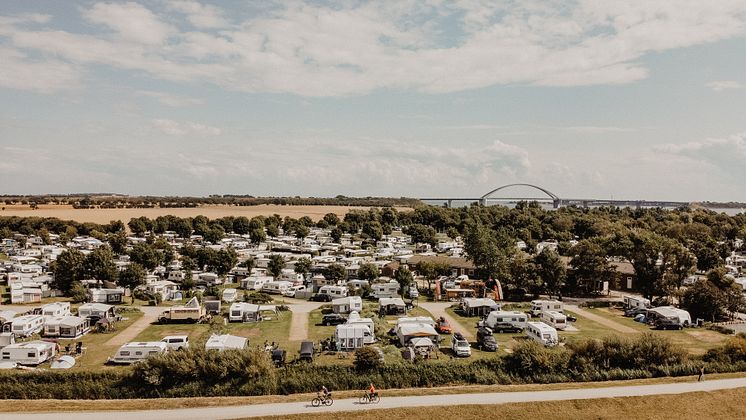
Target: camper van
<point x="137" y="352"/>
<point x="500" y="321"/>
<point x="542" y="333"/>
<point x="385" y="290"/>
<point x="193" y="311"/>
<point x="255" y="283"/>
<point x="293" y="290"/>
<point x="334" y="291"/>
<point x="26" y="325"/>
<point x="30" y="352"/>
<point x="539" y="306"/>
<point x="554" y="319"/>
<point x="276" y="287"/>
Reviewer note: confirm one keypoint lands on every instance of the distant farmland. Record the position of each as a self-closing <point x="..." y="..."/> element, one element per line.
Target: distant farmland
<point x="102" y="216"/>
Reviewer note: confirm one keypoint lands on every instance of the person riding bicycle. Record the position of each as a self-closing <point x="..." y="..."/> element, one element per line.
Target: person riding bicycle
<point x="323" y="392"/>
<point x="372" y="390"/>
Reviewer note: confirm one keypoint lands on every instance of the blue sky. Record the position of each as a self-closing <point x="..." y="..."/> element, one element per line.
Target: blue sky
<point x="590" y="99"/>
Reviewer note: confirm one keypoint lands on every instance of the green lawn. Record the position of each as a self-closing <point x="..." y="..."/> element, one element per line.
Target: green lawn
<point x="504" y="340"/>
<point x="97" y="351"/>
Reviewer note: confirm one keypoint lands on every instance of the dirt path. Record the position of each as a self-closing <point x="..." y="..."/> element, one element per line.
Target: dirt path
<point x="299" y="323"/>
<point x="150" y="315"/>
<point x="601" y="320"/>
<point x="438" y="309"/>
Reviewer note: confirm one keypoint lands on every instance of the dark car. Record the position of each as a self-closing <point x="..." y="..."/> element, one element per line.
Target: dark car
<point x="485" y="340"/>
<point x="306" y="351"/>
<point x="668" y="324"/>
<point x="633" y="312"/>
<point x="321" y="298"/>
<point x="333" y="319"/>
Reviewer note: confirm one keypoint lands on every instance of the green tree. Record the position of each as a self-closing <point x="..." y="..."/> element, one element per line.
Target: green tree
<point x="99" y="264"/>
<point x="336" y="235"/>
<point x="257" y="235"/>
<point x="367" y="358"/>
<point x="404" y="277"/>
<point x="490" y="251"/>
<point x="249" y="263"/>
<point x="650" y="256"/>
<point x="331" y="219"/>
<point x="273" y="231"/>
<point x="68" y="269"/>
<point x="183" y="228"/>
<point x="301" y="231"/>
<point x="131" y="277"/>
<point x="303" y="265"/>
<point x="551" y="270"/>
<point x="373" y="230"/>
<point x="589" y="265"/>
<point x="422" y="234"/>
<point x="146" y="255"/>
<point x="241" y="225"/>
<point x="225" y="260"/>
<point x="118" y="242"/>
<point x="78" y="292"/>
<point x="137" y="226"/>
<point x="276" y="265"/>
<point x="369" y="272"/>
<point x="335" y="272"/>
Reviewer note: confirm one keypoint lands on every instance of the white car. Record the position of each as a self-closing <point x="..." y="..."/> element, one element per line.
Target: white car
<point x="460" y="346"/>
<point x="291" y="291"/>
<point x="176" y="342"/>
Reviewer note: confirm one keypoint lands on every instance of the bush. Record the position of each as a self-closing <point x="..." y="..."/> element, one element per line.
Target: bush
<point x="367" y="358"/>
<point x="530" y="359"/>
<point x="733" y="351"/>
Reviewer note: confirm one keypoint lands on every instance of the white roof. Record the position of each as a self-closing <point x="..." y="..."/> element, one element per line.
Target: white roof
<point x="421" y="342"/>
<point x="415" y="320"/>
<point x="542" y="326"/>
<point x="413" y="329"/>
<point x="226" y="341"/>
<point x="391" y="301"/>
<point x="669" y="311"/>
<point x="66" y="320"/>
<point x="349" y="300"/>
<point x="102" y="307"/>
<point x="37" y="344"/>
<point x="477" y="302"/>
<point x="143" y="344"/>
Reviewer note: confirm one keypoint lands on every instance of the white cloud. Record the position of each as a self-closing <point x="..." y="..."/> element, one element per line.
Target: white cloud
<point x="355" y="48"/>
<point x="132" y="21"/>
<point x="727" y="156"/>
<point x="591" y="129"/>
<point x="720" y="85"/>
<point x="175" y="128"/>
<point x="171" y="100"/>
<point x="20" y="72"/>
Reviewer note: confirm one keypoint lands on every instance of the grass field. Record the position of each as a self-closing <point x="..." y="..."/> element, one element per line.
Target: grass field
<point x="103" y="216"/>
<point x="169" y="403"/>
<point x="97" y="351"/>
<point x="726" y="404"/>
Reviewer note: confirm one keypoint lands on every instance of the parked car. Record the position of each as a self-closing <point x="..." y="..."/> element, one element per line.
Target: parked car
<point x="333" y="319"/>
<point x="306" y="351"/>
<point x="486" y="340"/>
<point x="442" y="326"/>
<point x="176" y="342"/>
<point x="633" y="312"/>
<point x="570" y="318"/>
<point x="668" y="324"/>
<point x="321" y="298"/>
<point x="278" y="357"/>
<point x="460" y="346"/>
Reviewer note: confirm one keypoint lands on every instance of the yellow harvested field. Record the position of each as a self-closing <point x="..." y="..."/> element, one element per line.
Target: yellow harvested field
<point x="103" y="216"/>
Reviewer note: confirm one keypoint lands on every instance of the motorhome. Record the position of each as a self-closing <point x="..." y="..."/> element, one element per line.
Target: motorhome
<point x="255" y="283"/>
<point x="542" y="333"/>
<point x="56" y="309"/>
<point x="193" y="311"/>
<point x="30" y="352"/>
<point x="554" y="319"/>
<point x="176" y="342"/>
<point x="385" y="290"/>
<point x="276" y="287"/>
<point x="539" y="306"/>
<point x="334" y="291"/>
<point x="26" y="325"/>
<point x="66" y="327"/>
<point x="138" y="351"/>
<point x="499" y="321"/>
<point x="635" y="302"/>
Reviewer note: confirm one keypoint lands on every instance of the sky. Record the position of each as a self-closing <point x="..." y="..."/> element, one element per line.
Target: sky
<point x="588" y="99"/>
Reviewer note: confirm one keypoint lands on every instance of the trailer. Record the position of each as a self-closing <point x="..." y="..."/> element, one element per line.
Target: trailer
<point x="192" y="312"/>
<point x="56" y="310"/>
<point x="635" y="302"/>
<point x="276" y="287"/>
<point x="30" y="352"/>
<point x="351" y="336"/>
<point x="96" y="311"/>
<point x="66" y="327"/>
<point x="554" y="319"/>
<point x="255" y="282"/>
<point x="542" y="333"/>
<point x="25" y="326"/>
<point x="355" y="319"/>
<point x="539" y="306"/>
<point x="226" y="342"/>
<point x="138" y="351"/>
<point x="500" y="321"/>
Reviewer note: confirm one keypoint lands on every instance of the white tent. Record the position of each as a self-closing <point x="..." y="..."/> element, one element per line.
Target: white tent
<point x="225" y="342"/>
<point x="64" y="362"/>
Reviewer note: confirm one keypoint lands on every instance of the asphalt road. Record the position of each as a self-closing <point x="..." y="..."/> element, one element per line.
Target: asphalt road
<point x="281" y="409"/>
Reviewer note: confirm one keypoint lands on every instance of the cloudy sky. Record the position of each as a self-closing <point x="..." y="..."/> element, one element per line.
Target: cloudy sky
<point x="590" y="99"/>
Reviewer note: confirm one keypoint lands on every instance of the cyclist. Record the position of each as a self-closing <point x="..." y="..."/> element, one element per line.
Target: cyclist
<point x="323" y="393"/>
<point x="372" y="390"/>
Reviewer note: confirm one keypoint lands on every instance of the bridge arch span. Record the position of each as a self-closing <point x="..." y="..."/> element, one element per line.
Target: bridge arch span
<point x="549" y="194"/>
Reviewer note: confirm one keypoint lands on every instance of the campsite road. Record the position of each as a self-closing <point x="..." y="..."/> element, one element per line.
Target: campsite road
<point x="601" y="320"/>
<point x="299" y="323"/>
<point x="150" y="315"/>
<point x="351" y="405"/>
<point x="438" y="309"/>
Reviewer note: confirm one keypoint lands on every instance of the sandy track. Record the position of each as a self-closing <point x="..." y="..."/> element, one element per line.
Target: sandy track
<point x="299" y="323"/>
<point x="601" y="320"/>
<point x="438" y="309"/>
<point x="150" y="315"/>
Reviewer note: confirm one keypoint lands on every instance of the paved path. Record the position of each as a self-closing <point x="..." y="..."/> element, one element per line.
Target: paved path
<point x="150" y="315"/>
<point x="438" y="309"/>
<point x="299" y="323"/>
<point x="284" y="409"/>
<point x="601" y="320"/>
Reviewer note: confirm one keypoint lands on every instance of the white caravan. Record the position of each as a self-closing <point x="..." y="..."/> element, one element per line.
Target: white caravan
<point x="30" y="352"/>
<point x="539" y="306"/>
<point x="255" y="283"/>
<point x="500" y="321"/>
<point x="137" y="352"/>
<point x="56" y="310"/>
<point x="351" y="336"/>
<point x="354" y="319"/>
<point x="276" y="287"/>
<point x="554" y="319"/>
<point x="634" y="302"/>
<point x="334" y="291"/>
<point x="226" y="342"/>
<point x="26" y="325"/>
<point x="542" y="333"/>
<point x="229" y="295"/>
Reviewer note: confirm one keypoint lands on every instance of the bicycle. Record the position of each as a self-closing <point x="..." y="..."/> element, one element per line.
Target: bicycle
<point x="370" y="398"/>
<point x="318" y="401"/>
